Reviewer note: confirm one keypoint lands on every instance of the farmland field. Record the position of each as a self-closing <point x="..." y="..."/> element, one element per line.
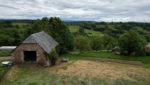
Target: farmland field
<point x="75" y="28"/>
<point x="81" y="71"/>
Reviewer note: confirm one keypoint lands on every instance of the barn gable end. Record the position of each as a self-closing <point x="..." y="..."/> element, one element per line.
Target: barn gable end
<point x="35" y="46"/>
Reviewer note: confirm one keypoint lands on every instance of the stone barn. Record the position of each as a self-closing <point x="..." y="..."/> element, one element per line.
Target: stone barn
<point x="35" y="49"/>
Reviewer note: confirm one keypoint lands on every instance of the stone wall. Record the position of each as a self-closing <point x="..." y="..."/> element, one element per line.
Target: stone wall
<point x="18" y="54"/>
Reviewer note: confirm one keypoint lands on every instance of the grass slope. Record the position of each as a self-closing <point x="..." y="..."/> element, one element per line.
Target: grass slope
<point x="74" y="29"/>
<point x="36" y="75"/>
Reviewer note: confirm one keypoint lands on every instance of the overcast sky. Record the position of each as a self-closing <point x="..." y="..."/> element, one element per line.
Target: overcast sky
<point x="88" y="10"/>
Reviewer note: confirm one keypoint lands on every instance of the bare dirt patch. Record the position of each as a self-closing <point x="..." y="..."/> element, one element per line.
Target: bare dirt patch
<point x="85" y="68"/>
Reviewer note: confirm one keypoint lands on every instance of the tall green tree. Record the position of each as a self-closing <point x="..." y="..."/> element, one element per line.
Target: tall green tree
<point x="57" y="29"/>
<point x="97" y="43"/>
<point x="109" y="42"/>
<point x="132" y="43"/>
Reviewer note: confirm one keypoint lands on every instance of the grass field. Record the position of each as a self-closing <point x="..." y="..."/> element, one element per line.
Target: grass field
<point x="20" y="24"/>
<point x="77" y="73"/>
<point x="74" y="29"/>
<point x="5" y="53"/>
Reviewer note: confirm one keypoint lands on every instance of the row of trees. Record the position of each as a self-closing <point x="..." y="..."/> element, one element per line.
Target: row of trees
<point x="130" y="43"/>
<point x="84" y="43"/>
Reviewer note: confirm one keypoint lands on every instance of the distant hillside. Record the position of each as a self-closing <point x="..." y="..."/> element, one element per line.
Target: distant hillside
<point x="114" y="29"/>
<point x="75" y="29"/>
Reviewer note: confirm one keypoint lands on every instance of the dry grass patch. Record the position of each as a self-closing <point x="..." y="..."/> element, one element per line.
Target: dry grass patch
<point x="86" y="68"/>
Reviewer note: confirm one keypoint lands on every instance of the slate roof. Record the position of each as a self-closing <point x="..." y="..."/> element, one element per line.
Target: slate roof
<point x="43" y="39"/>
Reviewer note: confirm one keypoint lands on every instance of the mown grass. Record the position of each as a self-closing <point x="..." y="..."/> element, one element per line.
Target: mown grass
<point x="3" y="69"/>
<point x="5" y="53"/>
<point x="44" y="78"/>
<point x="108" y="55"/>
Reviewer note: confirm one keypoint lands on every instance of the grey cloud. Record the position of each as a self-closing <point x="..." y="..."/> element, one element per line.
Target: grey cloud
<point x="6" y="6"/>
<point x="97" y="10"/>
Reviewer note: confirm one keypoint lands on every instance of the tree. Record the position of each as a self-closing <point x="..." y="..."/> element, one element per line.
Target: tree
<point x="6" y="40"/>
<point x="132" y="43"/>
<point x="82" y="43"/>
<point x="81" y="31"/>
<point x="97" y="43"/>
<point x="57" y="29"/>
<point x="109" y="42"/>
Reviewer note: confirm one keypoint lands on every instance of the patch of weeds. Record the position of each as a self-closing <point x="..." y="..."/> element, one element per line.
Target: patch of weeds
<point x="64" y="67"/>
<point x="33" y="83"/>
<point x="147" y="65"/>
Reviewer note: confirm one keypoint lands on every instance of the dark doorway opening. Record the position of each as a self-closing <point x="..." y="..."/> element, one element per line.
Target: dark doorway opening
<point x="29" y="55"/>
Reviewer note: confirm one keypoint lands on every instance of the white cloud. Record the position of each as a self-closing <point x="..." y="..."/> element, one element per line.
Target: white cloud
<point x="91" y="10"/>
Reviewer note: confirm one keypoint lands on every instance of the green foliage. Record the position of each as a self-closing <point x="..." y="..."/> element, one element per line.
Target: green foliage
<point x="97" y="43"/>
<point x="52" y="57"/>
<point x="6" y="40"/>
<point x="81" y="31"/>
<point x="11" y="36"/>
<point x="5" y="24"/>
<point x="82" y="43"/>
<point x="109" y="42"/>
<point x="57" y="29"/>
<point x="132" y="43"/>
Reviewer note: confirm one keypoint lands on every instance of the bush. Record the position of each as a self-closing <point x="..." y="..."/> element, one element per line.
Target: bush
<point x="52" y="57"/>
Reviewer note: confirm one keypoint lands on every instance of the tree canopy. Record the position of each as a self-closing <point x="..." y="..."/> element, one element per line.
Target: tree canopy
<point x="57" y="29"/>
<point x="132" y="43"/>
<point x="82" y="43"/>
